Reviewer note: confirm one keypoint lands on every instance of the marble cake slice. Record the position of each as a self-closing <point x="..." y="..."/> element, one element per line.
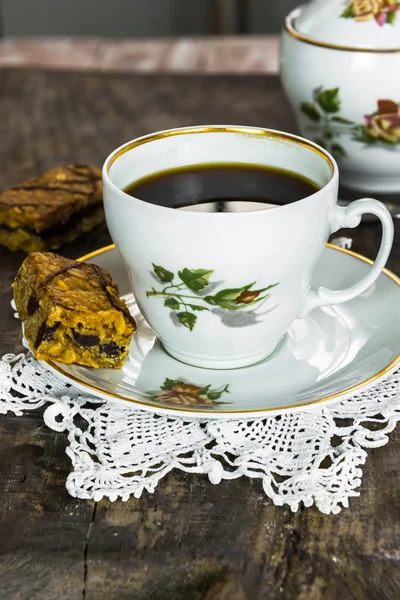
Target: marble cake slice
<point x="48" y="211"/>
<point x="72" y="312"/>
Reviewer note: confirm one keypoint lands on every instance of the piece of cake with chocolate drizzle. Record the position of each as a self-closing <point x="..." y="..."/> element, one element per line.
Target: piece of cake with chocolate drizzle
<point x="72" y="312"/>
<point x="47" y="211"/>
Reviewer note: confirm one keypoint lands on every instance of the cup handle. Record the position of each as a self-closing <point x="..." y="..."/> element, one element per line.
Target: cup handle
<point x="350" y="216"/>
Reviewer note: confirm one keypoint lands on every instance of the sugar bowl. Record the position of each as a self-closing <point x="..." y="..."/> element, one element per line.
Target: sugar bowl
<point x="340" y="69"/>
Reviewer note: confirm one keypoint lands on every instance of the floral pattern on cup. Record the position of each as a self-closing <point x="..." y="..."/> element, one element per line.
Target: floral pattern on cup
<point x="179" y="393"/>
<point x="327" y="125"/>
<point x="383" y="11"/>
<point x="186" y="293"/>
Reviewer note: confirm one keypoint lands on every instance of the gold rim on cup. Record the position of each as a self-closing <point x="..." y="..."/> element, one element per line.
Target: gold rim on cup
<point x="254" y="131"/>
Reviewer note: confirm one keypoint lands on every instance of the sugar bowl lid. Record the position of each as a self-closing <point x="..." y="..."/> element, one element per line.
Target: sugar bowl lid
<point x="349" y="24"/>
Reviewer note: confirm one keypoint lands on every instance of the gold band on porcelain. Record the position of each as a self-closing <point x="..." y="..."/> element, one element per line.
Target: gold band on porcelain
<point x="291" y="30"/>
<point x="350" y="390"/>
<point x="287" y="137"/>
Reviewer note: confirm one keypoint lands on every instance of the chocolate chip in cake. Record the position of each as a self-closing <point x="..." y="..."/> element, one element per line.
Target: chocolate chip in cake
<point x="33" y="305"/>
<point x="85" y="340"/>
<point x="45" y="333"/>
<point x="111" y="349"/>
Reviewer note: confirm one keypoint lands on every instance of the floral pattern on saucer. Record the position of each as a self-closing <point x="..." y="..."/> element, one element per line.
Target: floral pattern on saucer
<point x="178" y="393"/>
<point x="383" y="11"/>
<point x="186" y="293"/>
<point x="382" y="125"/>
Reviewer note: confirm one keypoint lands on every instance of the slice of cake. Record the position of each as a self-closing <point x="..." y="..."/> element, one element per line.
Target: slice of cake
<point x="72" y="312"/>
<point x="47" y="211"/>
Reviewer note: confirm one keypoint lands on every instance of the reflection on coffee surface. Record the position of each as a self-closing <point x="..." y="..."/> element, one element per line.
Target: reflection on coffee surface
<point x="222" y="187"/>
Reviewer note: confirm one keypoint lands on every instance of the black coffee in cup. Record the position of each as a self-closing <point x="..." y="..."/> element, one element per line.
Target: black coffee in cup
<point x="222" y="187"/>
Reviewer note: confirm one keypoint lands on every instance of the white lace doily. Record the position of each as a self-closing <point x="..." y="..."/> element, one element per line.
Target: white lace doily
<point x="117" y="451"/>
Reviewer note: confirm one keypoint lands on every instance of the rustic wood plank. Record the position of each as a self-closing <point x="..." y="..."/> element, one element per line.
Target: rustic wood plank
<point x="189" y="539"/>
<point x="221" y="54"/>
<point x="43" y="530"/>
<point x="194" y="540"/>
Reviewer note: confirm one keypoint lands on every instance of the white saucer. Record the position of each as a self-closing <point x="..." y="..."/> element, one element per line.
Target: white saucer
<point x="328" y="355"/>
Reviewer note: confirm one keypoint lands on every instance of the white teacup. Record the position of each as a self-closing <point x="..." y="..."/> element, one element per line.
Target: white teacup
<point x="221" y="289"/>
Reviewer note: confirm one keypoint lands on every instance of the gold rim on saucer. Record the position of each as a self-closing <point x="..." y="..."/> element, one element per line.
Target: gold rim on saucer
<point x="370" y="380"/>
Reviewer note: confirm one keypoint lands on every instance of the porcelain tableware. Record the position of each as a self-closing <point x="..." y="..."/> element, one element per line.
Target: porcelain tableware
<point x="340" y="61"/>
<point x="221" y="289"/>
<point x="330" y="354"/>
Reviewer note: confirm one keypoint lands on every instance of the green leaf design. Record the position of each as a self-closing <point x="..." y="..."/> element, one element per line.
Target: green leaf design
<point x="179" y="296"/>
<point x="172" y="303"/>
<point x="348" y="13"/>
<point x="338" y="150"/>
<point x="389" y="142"/>
<point x="362" y="136"/>
<point x="197" y="307"/>
<point x="203" y="391"/>
<point x="217" y="395"/>
<point x="169" y="384"/>
<point x="195" y="279"/>
<point x="163" y="275"/>
<point x="187" y="319"/>
<point x="269" y="287"/>
<point x="329" y="100"/>
<point x="311" y="111"/>
<point x="230" y="299"/>
<point x="342" y="120"/>
<point x="391" y="17"/>
<point x="227" y="298"/>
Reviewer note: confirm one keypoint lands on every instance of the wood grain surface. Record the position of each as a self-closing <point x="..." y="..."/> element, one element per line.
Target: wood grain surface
<point x="219" y="54"/>
<point x="189" y="540"/>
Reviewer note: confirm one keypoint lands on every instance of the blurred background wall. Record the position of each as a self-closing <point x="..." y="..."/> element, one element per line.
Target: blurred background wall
<point x="141" y="18"/>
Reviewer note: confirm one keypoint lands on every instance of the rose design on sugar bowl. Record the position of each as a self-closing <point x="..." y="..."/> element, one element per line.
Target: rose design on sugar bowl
<point x="339" y="66"/>
<point x="383" y="11"/>
<point x="384" y="124"/>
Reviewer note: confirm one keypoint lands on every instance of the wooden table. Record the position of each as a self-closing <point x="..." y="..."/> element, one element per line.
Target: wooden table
<point x="189" y="540"/>
<point x="249" y="54"/>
